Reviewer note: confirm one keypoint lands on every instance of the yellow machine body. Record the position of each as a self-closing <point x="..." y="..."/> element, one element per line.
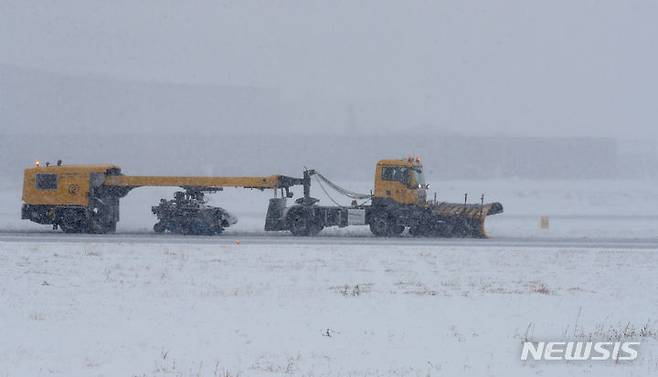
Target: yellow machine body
<point x="70" y="185"/>
<point x="85" y="198"/>
<point x="63" y="185"/>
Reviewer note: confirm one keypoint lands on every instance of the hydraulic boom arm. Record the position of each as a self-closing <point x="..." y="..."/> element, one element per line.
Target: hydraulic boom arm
<point x="203" y="183"/>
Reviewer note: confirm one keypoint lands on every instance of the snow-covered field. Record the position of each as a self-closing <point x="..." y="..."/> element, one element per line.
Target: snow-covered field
<point x="349" y="305"/>
<point x="124" y="309"/>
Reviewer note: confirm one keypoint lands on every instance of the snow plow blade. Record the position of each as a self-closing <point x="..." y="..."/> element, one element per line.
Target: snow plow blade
<point x="466" y="220"/>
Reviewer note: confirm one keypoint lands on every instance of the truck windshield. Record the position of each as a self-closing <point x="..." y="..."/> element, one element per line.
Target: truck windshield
<point x="417" y="177"/>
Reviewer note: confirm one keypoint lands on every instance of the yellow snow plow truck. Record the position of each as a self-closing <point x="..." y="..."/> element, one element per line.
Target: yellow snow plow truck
<point x="85" y="199"/>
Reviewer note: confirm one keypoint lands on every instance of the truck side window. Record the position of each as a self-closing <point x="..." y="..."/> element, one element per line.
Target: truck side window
<point x="46" y="181"/>
<point x="389" y="174"/>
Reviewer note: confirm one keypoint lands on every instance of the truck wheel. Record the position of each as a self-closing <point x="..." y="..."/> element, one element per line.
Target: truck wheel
<point x="72" y="221"/>
<point x="183" y="228"/>
<point x="217" y="229"/>
<point x="315" y="229"/>
<point x="69" y="227"/>
<point x="396" y="230"/>
<point x="200" y="227"/>
<point x="385" y="226"/>
<point x="159" y="227"/>
<point x="460" y="229"/>
<point x="98" y="226"/>
<point x="301" y="223"/>
<point x="418" y="230"/>
<point x="209" y="228"/>
<point x="111" y="227"/>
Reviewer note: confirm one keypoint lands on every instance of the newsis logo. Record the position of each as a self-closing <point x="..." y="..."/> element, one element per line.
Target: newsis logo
<point x="579" y="351"/>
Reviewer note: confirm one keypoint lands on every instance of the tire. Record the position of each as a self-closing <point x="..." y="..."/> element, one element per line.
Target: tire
<point x="198" y="227"/>
<point x="301" y="223"/>
<point x="460" y="229"/>
<point x="418" y="230"/>
<point x="71" y="228"/>
<point x="202" y="226"/>
<point x="315" y="229"/>
<point x="159" y="227"/>
<point x="178" y="227"/>
<point x="73" y="221"/>
<point x="101" y="227"/>
<point x="217" y="229"/>
<point x="383" y="225"/>
<point x="111" y="227"/>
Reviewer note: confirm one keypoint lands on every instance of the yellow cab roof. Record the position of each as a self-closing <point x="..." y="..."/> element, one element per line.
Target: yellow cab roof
<point x="411" y="161"/>
<point x="72" y="168"/>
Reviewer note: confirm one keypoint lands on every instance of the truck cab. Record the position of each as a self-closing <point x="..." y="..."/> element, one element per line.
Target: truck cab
<point x="400" y="182"/>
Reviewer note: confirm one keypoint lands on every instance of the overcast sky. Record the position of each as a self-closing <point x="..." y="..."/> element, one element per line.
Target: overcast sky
<point x="477" y="67"/>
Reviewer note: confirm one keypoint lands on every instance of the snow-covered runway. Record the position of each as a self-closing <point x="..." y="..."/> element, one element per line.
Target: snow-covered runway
<point x="337" y="239"/>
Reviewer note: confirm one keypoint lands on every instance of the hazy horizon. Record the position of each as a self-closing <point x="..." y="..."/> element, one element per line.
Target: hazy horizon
<point x="509" y="68"/>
